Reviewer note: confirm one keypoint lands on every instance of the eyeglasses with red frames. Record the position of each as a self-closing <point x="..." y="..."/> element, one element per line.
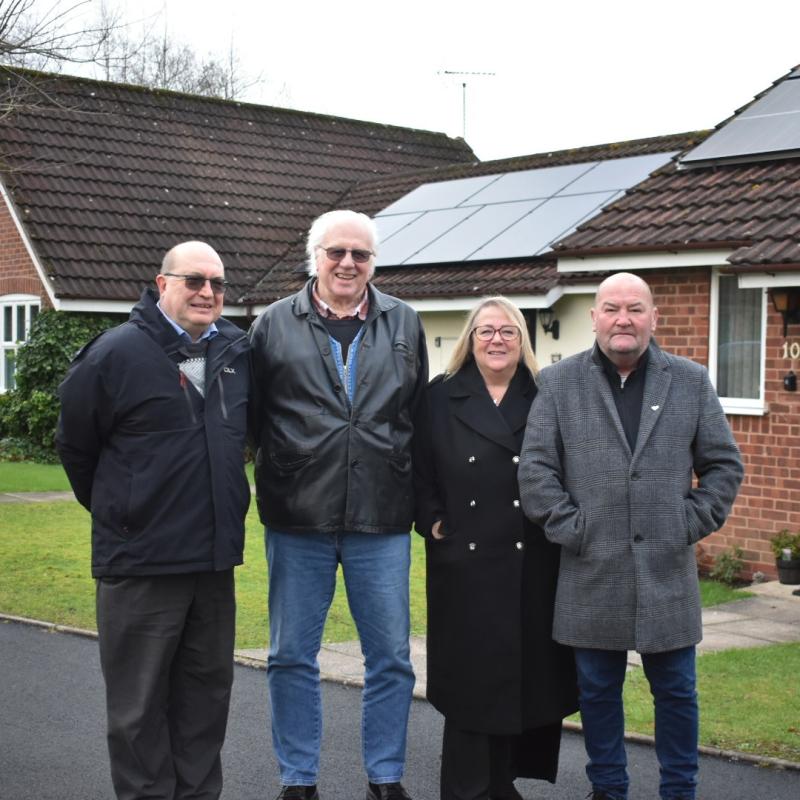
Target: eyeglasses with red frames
<point x="194" y="283"/>
<point x="338" y="253"/>
<point x="485" y="333"/>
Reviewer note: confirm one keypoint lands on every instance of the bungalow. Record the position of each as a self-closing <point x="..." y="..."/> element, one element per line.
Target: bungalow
<point x="99" y="179"/>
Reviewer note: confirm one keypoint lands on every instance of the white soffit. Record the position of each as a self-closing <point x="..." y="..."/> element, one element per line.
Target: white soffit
<point x="620" y="262"/>
<point x="766" y="280"/>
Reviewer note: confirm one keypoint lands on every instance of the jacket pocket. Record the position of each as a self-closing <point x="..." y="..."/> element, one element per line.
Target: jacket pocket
<point x="287" y="462"/>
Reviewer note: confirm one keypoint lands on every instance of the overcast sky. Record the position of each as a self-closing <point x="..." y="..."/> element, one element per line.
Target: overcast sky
<point x="566" y="72"/>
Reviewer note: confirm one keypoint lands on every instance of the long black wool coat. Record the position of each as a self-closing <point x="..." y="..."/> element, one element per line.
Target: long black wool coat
<point x="493" y="666"/>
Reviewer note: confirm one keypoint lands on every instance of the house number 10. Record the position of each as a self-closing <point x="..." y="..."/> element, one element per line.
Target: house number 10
<point x="791" y="350"/>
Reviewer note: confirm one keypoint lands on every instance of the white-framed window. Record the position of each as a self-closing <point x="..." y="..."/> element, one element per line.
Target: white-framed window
<point x="17" y="312"/>
<point x="737" y="344"/>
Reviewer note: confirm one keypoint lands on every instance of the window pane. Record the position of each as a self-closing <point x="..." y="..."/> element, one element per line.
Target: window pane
<point x="739" y="340"/>
<point x="20" y="323"/>
<point x="34" y="313"/>
<point x="8" y="328"/>
<point x="10" y="359"/>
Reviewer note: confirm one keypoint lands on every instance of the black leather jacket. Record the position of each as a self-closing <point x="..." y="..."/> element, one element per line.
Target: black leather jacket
<point x="323" y="464"/>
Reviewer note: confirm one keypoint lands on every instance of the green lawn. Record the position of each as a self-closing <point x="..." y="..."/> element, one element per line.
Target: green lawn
<point x="25" y="476"/>
<point x="45" y="558"/>
<point x="749" y="698"/>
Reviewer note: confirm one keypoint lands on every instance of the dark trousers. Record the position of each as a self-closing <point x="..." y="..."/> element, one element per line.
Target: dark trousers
<point x="483" y="766"/>
<point x="166" y="651"/>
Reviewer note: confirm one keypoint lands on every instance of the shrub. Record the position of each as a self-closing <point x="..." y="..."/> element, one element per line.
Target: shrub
<point x="728" y="566"/>
<point x="783" y="540"/>
<point x="29" y="413"/>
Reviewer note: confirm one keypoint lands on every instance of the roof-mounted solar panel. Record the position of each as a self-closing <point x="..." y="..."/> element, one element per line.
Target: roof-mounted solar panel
<point x="769" y="128"/>
<point x="509" y="215"/>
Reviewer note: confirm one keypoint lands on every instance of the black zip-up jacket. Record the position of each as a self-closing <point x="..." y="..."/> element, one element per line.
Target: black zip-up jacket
<point x="160" y="468"/>
<point x="324" y="464"/>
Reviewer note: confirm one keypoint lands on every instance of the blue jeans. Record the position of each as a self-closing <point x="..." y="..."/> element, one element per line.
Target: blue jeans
<point x="672" y="679"/>
<point x="302" y="581"/>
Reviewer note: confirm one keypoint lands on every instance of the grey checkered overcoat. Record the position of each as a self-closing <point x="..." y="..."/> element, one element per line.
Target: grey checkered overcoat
<point x="627" y="522"/>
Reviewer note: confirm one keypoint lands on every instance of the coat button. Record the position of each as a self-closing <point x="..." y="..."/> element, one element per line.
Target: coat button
<point x="638" y="538"/>
<point x="472" y="546"/>
<point x="471" y="459"/>
<point x="520" y="545"/>
<point x="515" y="459"/>
<point x="635" y="476"/>
<point x="516" y="504"/>
<point x="472" y="504"/>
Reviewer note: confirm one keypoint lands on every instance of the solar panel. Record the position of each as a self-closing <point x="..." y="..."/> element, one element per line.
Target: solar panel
<point x="400" y="247"/>
<point x="770" y="127"/>
<point x="472" y="233"/>
<point x="510" y="215"/>
<point x="530" y="184"/>
<point x="547" y="223"/>
<point x="445" y="194"/>
<point x="388" y="226"/>
<point x="618" y="173"/>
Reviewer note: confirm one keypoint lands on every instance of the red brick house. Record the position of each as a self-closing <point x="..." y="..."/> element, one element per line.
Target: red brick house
<point x="717" y="235"/>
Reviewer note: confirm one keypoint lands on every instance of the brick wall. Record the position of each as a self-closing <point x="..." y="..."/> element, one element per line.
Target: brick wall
<point x="769" y="499"/>
<point x="17" y="273"/>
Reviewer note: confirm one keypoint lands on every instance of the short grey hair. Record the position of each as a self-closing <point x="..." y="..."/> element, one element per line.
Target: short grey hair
<point x="330" y="219"/>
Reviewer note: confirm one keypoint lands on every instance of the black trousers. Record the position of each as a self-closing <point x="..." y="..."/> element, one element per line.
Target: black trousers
<point x="166" y="651"/>
<point x="482" y="766"/>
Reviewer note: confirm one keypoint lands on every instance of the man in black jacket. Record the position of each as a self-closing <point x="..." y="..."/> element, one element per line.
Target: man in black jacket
<point x="338" y="369"/>
<point x="152" y="434"/>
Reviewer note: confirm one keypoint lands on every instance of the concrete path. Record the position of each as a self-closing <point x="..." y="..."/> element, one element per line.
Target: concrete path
<point x="34" y="497"/>
<point x="771" y="617"/>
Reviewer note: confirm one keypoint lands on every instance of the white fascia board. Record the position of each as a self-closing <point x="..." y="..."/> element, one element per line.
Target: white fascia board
<point x="26" y="241"/>
<point x="468" y="303"/>
<point x="125" y="306"/>
<point x="766" y="280"/>
<point x="624" y="262"/>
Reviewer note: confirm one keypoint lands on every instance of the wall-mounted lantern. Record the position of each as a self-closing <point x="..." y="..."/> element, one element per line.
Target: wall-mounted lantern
<point x="786" y="301"/>
<point x="549" y="324"/>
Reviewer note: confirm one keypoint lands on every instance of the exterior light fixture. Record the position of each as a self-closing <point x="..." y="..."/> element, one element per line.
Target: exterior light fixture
<point x="549" y="324"/>
<point x="786" y="301"/>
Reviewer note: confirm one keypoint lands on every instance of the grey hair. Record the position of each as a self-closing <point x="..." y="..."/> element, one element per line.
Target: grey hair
<point x="462" y="351"/>
<point x="322" y="225"/>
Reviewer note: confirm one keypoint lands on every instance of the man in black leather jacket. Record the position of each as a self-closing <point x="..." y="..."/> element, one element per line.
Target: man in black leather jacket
<point x="338" y="369"/>
<point x="151" y="434"/>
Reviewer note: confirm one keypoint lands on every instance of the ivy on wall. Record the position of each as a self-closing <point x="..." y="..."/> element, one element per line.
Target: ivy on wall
<point x="29" y="413"/>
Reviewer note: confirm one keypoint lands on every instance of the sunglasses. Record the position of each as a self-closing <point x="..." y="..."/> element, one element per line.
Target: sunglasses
<point x="338" y="253"/>
<point x="194" y="283"/>
<point x="486" y="332"/>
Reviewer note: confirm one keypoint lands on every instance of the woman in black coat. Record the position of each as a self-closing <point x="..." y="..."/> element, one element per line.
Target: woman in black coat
<point x="494" y="672"/>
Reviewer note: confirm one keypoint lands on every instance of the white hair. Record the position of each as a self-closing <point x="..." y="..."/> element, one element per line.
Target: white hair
<point x="321" y="226"/>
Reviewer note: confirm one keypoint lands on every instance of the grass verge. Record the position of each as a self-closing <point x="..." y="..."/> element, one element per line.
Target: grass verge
<point x="25" y="476"/>
<point x="749" y="700"/>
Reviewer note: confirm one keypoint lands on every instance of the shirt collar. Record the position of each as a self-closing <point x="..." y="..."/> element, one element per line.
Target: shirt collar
<point x="209" y="333"/>
<point x="326" y="312"/>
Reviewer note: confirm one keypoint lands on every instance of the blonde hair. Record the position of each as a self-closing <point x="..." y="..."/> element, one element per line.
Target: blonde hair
<point x="462" y="352"/>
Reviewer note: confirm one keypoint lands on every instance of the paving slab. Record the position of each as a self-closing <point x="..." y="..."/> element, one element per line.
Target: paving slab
<point x="35" y="497"/>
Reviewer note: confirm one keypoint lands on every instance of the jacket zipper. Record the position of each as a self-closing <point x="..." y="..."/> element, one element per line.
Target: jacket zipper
<point x="184" y="385"/>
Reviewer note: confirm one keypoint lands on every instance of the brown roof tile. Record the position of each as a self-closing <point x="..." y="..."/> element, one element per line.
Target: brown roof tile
<point x="107" y="177"/>
<point x="754" y="208"/>
<point x="373" y="195"/>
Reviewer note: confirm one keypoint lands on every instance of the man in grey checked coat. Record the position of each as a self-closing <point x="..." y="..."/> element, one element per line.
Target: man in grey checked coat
<point x="614" y="438"/>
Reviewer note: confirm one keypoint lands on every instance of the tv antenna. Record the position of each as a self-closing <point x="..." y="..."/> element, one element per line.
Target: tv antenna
<point x="464" y="75"/>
